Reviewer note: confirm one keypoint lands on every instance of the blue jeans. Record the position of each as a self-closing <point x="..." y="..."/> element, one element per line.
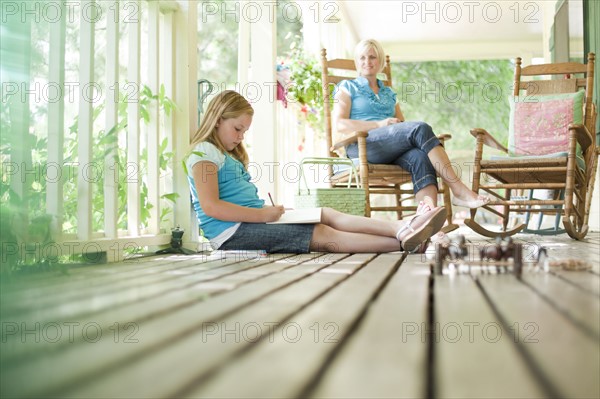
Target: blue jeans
<point x="405" y="144"/>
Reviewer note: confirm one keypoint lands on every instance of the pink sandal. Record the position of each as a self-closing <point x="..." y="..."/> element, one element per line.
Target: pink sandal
<point x="424" y="207"/>
<point x="432" y="222"/>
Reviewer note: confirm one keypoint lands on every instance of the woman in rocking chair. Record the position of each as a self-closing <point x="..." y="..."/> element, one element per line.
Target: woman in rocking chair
<point x="365" y="104"/>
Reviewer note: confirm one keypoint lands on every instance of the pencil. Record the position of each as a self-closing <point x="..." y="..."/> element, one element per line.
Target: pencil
<point x="271" y="198"/>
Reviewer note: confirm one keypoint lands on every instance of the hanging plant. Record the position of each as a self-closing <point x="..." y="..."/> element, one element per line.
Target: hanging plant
<point x="300" y="76"/>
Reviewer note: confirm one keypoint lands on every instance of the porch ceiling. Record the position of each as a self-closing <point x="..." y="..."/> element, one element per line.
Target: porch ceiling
<point x="446" y="30"/>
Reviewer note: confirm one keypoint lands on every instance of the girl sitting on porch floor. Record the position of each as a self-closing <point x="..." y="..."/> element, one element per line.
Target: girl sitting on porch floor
<point x="233" y="217"/>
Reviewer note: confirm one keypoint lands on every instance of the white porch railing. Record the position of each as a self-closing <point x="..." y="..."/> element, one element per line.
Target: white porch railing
<point x="148" y="24"/>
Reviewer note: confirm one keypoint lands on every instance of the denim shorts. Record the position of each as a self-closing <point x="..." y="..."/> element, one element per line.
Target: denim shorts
<point x="404" y="144"/>
<point x="273" y="238"/>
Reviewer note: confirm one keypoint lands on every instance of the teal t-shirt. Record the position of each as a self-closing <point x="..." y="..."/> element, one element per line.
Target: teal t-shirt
<point x="234" y="186"/>
<point x="366" y="105"/>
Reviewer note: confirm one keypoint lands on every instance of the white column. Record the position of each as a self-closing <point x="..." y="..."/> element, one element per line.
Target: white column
<point x="186" y="31"/>
<point x="167" y="77"/>
<point x="311" y="28"/>
<point x="327" y="25"/>
<point x="262" y="92"/>
<point x="548" y="11"/>
<point x="154" y="123"/>
<point x="243" y="51"/>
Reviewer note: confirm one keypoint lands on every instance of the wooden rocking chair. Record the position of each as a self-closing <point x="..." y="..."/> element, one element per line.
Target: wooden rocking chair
<point x="551" y="147"/>
<point x="375" y="178"/>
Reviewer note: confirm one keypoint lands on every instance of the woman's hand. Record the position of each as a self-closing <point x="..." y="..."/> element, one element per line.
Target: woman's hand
<point x="388" y="121"/>
<point x="272" y="213"/>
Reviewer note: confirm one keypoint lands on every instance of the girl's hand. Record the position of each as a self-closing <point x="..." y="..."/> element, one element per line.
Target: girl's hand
<point x="388" y="121"/>
<point x="272" y="213"/>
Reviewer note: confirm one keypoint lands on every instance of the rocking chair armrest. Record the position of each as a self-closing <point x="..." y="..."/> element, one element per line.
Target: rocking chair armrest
<point x="488" y="139"/>
<point x="353" y="138"/>
<point x="443" y="138"/>
<point x="594" y="114"/>
<point x="584" y="138"/>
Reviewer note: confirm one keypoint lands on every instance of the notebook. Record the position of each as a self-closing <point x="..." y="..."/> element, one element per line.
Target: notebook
<point x="304" y="215"/>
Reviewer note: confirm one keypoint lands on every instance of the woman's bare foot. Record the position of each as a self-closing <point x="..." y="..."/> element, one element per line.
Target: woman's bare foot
<point x="469" y="199"/>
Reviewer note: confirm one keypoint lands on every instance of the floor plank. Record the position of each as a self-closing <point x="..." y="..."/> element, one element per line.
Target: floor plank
<point x="150" y="334"/>
<point x="82" y="285"/>
<point x="564" y="358"/>
<point x="471" y="341"/>
<point x="578" y="306"/>
<point x="135" y="305"/>
<point x="586" y="281"/>
<point x="299" y="363"/>
<point x="386" y="356"/>
<point x="115" y="293"/>
<point x="44" y="283"/>
<point x="219" y="342"/>
<point x="175" y="326"/>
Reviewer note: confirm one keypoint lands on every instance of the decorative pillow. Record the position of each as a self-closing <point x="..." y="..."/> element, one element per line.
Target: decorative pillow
<point x="539" y="124"/>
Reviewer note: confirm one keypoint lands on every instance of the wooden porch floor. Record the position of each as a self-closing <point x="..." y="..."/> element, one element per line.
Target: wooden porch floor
<point x="317" y="325"/>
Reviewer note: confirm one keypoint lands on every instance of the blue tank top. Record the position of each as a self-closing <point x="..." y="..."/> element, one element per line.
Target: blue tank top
<point x="234" y="186"/>
<point x="366" y="105"/>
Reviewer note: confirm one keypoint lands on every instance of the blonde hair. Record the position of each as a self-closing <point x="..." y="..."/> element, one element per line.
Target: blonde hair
<point x="227" y="104"/>
<point x="365" y="45"/>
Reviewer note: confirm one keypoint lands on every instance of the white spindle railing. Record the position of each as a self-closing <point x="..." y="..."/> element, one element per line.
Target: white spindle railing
<point x="84" y="135"/>
<point x="111" y="205"/>
<point x="132" y="171"/>
<point x="56" y="121"/>
<point x="160" y="69"/>
<point x="172" y="34"/>
<point x="167" y="73"/>
<point x="20" y="122"/>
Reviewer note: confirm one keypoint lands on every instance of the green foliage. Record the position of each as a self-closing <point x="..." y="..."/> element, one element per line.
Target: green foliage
<point x="27" y="241"/>
<point x="217" y="44"/>
<point x="218" y="41"/>
<point x="106" y="143"/>
<point x="24" y="127"/>
<point x="289" y="30"/>
<point x="24" y="221"/>
<point x="456" y="96"/>
<point x="453" y="96"/>
<point x="305" y="88"/>
<point x="8" y="236"/>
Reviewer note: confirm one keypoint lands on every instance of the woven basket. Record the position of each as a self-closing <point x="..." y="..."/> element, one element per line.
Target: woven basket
<point x="348" y="200"/>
